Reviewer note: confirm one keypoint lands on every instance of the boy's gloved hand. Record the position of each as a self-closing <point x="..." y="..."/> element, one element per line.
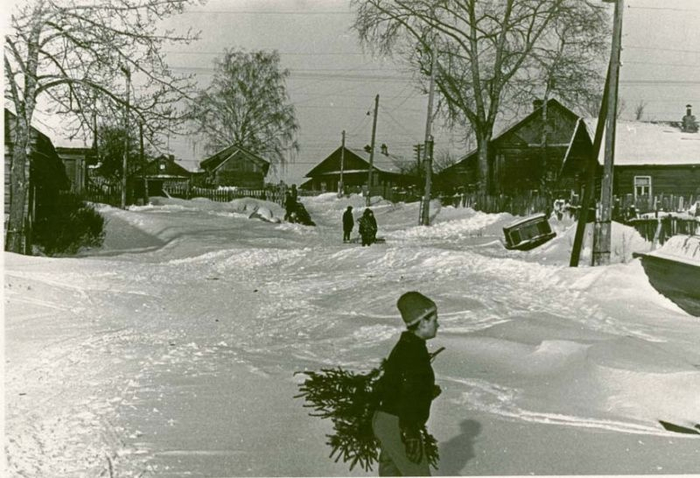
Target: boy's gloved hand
<point x="414" y="445"/>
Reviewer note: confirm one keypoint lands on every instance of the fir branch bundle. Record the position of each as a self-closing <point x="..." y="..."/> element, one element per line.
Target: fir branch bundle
<point x="350" y="399"/>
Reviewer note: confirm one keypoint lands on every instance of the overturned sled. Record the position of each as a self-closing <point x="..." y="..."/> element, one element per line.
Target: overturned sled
<point x="528" y="233"/>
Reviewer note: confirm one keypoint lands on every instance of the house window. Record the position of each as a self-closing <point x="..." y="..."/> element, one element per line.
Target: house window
<point x="642" y="186"/>
<point x="162" y="166"/>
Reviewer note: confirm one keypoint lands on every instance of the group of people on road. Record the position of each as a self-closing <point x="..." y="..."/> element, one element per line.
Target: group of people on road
<point x="367" y="226"/>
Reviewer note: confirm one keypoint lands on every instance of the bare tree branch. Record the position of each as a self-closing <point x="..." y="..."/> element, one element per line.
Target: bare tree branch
<point x="71" y="52"/>
<point x="247" y="104"/>
<point x="489" y="53"/>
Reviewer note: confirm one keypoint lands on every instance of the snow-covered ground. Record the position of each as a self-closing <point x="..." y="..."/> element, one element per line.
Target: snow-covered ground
<point x="171" y="350"/>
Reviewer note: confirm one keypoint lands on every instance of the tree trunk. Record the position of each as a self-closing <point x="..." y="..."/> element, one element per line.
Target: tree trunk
<point x="19" y="187"/>
<point x="482" y="143"/>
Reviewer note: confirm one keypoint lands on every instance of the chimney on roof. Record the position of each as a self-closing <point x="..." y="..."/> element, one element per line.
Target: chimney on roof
<point x="537" y="104"/>
<point x="171" y="157"/>
<point x="689" y="123"/>
<point x="385" y="149"/>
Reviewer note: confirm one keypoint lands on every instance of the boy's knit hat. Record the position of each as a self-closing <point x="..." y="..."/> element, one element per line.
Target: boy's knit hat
<point x="415" y="307"/>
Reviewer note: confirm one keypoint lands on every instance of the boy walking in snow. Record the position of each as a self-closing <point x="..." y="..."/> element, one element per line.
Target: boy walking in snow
<point x="348" y="223"/>
<point x="407" y="391"/>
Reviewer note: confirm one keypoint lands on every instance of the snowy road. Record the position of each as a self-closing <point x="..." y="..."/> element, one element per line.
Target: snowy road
<point x="172" y="350"/>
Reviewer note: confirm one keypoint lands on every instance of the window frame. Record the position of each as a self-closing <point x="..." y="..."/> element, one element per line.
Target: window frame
<point x="634" y="185"/>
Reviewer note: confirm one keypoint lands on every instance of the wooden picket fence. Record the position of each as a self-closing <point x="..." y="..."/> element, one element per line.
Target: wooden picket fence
<point x="104" y="193"/>
<point x="660" y="202"/>
<point x="184" y="191"/>
<point x="521" y="205"/>
<point x="658" y="230"/>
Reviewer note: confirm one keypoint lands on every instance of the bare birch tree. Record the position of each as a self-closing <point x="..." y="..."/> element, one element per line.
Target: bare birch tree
<point x="247" y="104"/>
<point x="73" y="56"/>
<point x="491" y="54"/>
<point x="639" y="110"/>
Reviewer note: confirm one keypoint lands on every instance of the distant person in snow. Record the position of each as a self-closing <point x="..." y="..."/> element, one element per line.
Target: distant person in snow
<point x="290" y="206"/>
<point x="406" y="391"/>
<point x="348" y="224"/>
<point x="302" y="216"/>
<point x="368" y="227"/>
<point x="558" y="208"/>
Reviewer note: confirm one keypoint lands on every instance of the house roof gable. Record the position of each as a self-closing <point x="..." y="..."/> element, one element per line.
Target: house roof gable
<point x="386" y="163"/>
<point x="511" y="129"/>
<point x="215" y="161"/>
<point x="171" y="170"/>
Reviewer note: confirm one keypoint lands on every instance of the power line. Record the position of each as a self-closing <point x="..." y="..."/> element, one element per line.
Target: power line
<point x="408" y="133"/>
<point x="289" y="53"/>
<point x="309" y="85"/>
<point x="302" y="74"/>
<point x="262" y="12"/>
<point x="338" y="95"/>
<point x="669" y="101"/>
<point x="684" y="65"/>
<point x="666" y="9"/>
<point x="662" y="82"/>
<point x="308" y="74"/>
<point x="312" y="107"/>
<point x="660" y="49"/>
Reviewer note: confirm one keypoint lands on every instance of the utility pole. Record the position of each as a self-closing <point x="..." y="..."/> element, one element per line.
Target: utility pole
<point x="425" y="210"/>
<point x="127" y="72"/>
<point x="371" y="151"/>
<point x="602" y="237"/>
<point x="417" y="149"/>
<point x="428" y="151"/>
<point x="591" y="170"/>
<point x="341" y="187"/>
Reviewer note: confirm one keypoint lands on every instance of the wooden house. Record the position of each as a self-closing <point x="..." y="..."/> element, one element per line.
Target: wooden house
<point x="520" y="160"/>
<point x="235" y="166"/>
<point x="154" y="177"/>
<point x="651" y="159"/>
<point x="76" y="162"/>
<point x="388" y="172"/>
<point x="45" y="174"/>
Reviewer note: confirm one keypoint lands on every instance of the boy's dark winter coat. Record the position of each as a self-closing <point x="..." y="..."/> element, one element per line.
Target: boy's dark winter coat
<point x="408" y="385"/>
<point x="348" y="221"/>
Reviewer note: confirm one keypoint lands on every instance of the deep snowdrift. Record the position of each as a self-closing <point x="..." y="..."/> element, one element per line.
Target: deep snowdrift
<point x="171" y="350"/>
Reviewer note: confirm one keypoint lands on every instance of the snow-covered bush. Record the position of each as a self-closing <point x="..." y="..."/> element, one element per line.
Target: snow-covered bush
<point x="67" y="225"/>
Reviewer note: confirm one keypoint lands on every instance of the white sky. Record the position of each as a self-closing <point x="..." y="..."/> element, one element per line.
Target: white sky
<point x="333" y="84"/>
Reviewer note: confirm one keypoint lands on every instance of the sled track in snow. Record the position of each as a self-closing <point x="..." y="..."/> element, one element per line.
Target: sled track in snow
<point x="501" y="401"/>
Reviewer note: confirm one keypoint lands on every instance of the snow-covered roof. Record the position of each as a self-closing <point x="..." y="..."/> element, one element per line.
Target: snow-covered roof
<point x="640" y="143"/>
<point x="384" y="162"/>
<point x="191" y="165"/>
